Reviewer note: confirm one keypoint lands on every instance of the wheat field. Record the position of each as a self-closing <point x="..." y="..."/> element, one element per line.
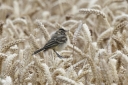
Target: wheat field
<point x="97" y="50"/>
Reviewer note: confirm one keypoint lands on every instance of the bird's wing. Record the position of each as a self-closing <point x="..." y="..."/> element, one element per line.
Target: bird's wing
<point x="54" y="41"/>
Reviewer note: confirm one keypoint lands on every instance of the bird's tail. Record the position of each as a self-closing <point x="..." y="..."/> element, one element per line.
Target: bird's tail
<point x="38" y="51"/>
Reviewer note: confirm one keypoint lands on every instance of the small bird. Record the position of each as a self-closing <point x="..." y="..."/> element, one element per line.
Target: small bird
<point x="57" y="42"/>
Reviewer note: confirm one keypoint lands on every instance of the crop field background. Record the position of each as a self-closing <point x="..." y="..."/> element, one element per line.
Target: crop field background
<point x="97" y="50"/>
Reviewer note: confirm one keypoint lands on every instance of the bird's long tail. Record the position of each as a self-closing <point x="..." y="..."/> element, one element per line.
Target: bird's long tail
<point x="38" y="51"/>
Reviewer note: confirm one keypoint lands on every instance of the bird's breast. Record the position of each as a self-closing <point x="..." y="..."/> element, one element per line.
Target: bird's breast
<point x="61" y="46"/>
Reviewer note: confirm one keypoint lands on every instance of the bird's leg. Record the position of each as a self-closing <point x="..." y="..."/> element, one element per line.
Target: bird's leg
<point x="57" y="54"/>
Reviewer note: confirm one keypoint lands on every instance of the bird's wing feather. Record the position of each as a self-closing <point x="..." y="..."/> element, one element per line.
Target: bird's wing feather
<point x="54" y="41"/>
<point x="61" y="39"/>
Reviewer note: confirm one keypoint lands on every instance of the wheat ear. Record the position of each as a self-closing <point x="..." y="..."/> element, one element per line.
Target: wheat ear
<point x="49" y="24"/>
<point x="79" y="63"/>
<point x="2" y="56"/>
<point x="8" y="45"/>
<point x="66" y="80"/>
<point x="87" y="33"/>
<point x="77" y="50"/>
<point x="105" y="34"/>
<point x="45" y="69"/>
<point x="32" y="40"/>
<point x="13" y="28"/>
<point x="25" y="70"/>
<point x="8" y="63"/>
<point x="120" y="42"/>
<point x="93" y="11"/>
<point x="20" y="21"/>
<point x="76" y="34"/>
<point x="69" y="22"/>
<point x="94" y="69"/>
<point x="59" y="71"/>
<point x="85" y="70"/>
<point x="105" y="72"/>
<point x="113" y="68"/>
<point x="43" y="30"/>
<point x="96" y="12"/>
<point x="119" y="26"/>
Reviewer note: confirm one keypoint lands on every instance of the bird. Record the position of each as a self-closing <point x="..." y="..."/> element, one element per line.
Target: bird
<point x="57" y="42"/>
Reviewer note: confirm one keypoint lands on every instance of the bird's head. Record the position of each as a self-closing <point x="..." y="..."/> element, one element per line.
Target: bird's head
<point x="61" y="31"/>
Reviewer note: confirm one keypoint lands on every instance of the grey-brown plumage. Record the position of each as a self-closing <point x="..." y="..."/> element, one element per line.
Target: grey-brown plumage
<point x="57" y="42"/>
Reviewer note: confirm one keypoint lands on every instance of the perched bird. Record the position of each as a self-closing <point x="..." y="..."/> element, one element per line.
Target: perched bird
<point x="57" y="42"/>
